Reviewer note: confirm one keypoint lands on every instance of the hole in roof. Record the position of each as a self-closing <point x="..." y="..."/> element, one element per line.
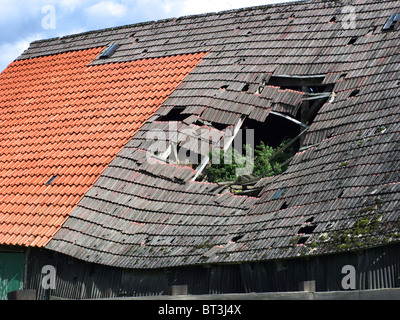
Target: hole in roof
<point x="237" y="238"/>
<point x="224" y="87"/>
<point x="175" y="114"/>
<point x="303" y="240"/>
<point x="137" y="40"/>
<point x="275" y="137"/>
<point x="273" y="144"/>
<point x="333" y="19"/>
<point x="342" y="76"/>
<point x="316" y="94"/>
<point x="352" y="41"/>
<point x="273" y="131"/>
<point x="307" y="229"/>
<point x="51" y="180"/>
<point x="219" y="126"/>
<point x="313" y="83"/>
<point x="354" y="93"/>
<point x="246" y="88"/>
<point x="145" y="51"/>
<point x="284" y="206"/>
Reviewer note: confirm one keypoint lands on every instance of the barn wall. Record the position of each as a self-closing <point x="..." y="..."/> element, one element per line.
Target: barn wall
<point x="376" y="268"/>
<point x="11" y="272"/>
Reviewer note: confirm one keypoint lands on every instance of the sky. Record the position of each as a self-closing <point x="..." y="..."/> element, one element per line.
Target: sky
<point x="24" y="21"/>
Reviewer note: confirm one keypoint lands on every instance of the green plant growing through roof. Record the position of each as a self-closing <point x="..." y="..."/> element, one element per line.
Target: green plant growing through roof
<point x="224" y="170"/>
<point x="264" y="164"/>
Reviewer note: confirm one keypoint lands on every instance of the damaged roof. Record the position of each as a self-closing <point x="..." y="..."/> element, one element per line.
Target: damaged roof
<point x="137" y="210"/>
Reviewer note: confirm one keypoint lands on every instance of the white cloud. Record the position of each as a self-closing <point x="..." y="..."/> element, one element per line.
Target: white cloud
<point x="204" y="6"/>
<point x="11" y="51"/>
<point x="161" y="9"/>
<point x="178" y="8"/>
<point x="71" y="5"/>
<point x="105" y="9"/>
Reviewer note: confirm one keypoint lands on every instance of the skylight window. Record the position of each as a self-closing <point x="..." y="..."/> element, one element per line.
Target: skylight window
<point x="279" y="193"/>
<point x="109" y="51"/>
<point x="51" y="180"/>
<point x="392" y="23"/>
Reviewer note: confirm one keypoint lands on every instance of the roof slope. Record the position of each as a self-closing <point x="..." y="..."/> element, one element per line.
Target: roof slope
<point x="65" y="121"/>
<point x="340" y="191"/>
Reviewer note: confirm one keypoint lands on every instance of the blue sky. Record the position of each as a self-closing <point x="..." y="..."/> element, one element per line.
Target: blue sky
<point x="23" y="21"/>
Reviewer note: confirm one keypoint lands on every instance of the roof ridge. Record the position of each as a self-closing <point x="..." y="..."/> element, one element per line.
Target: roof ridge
<point x="191" y="16"/>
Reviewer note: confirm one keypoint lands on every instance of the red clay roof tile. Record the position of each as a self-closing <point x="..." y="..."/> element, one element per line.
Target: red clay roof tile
<point x="73" y="128"/>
